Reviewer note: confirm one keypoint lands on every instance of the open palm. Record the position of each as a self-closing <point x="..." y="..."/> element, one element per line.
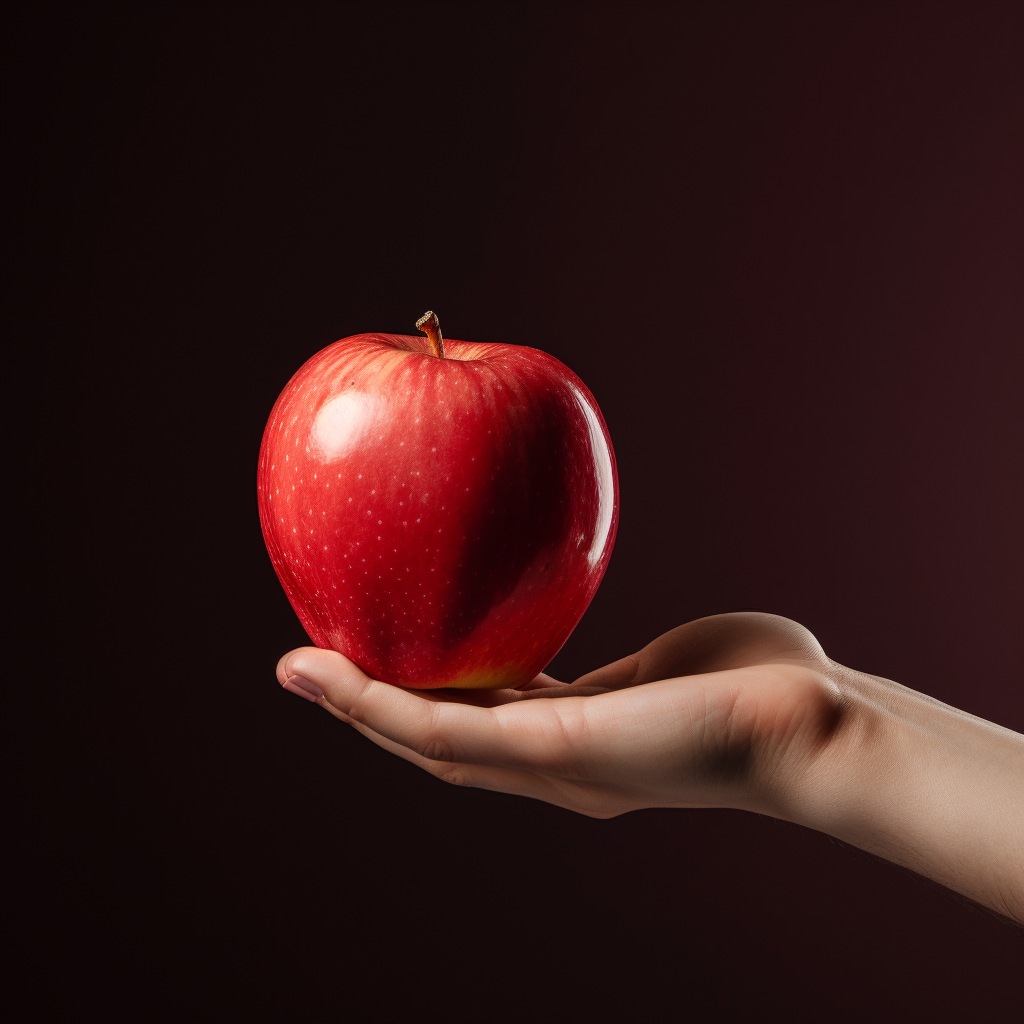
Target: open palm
<point x="699" y="717"/>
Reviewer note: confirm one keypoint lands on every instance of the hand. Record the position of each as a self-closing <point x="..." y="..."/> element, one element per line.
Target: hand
<point x="741" y="710"/>
<point x="700" y="717"/>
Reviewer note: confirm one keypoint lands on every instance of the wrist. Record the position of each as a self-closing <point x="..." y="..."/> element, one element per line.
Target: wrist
<point x="917" y="782"/>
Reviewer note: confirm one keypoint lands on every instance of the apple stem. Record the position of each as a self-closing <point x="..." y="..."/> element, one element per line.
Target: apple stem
<point x="431" y="327"/>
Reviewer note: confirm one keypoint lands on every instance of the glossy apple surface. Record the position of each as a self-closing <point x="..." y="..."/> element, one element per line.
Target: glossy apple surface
<point x="440" y="521"/>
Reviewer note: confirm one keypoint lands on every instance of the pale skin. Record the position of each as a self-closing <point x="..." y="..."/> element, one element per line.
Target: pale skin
<point x="742" y="711"/>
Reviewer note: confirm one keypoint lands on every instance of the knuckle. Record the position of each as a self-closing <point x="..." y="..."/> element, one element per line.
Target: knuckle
<point x="454" y="775"/>
<point x="354" y="709"/>
<point x="564" y="739"/>
<point x="435" y="748"/>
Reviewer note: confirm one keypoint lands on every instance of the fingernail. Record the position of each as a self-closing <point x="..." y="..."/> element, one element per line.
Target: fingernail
<point x="303" y="688"/>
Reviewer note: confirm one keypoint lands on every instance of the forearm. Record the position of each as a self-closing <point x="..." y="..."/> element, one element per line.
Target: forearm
<point x="921" y="784"/>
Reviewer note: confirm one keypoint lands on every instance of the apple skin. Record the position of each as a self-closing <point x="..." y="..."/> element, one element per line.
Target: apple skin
<point x="441" y="522"/>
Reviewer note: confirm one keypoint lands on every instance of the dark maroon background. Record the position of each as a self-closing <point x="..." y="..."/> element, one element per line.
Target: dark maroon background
<point x="780" y="242"/>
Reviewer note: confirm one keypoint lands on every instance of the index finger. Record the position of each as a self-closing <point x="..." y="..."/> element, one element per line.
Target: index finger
<point x="438" y="730"/>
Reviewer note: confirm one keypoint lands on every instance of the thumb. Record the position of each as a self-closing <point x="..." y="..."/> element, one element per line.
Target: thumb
<point x="616" y="676"/>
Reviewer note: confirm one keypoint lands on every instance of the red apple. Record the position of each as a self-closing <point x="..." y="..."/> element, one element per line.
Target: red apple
<point x="441" y="512"/>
